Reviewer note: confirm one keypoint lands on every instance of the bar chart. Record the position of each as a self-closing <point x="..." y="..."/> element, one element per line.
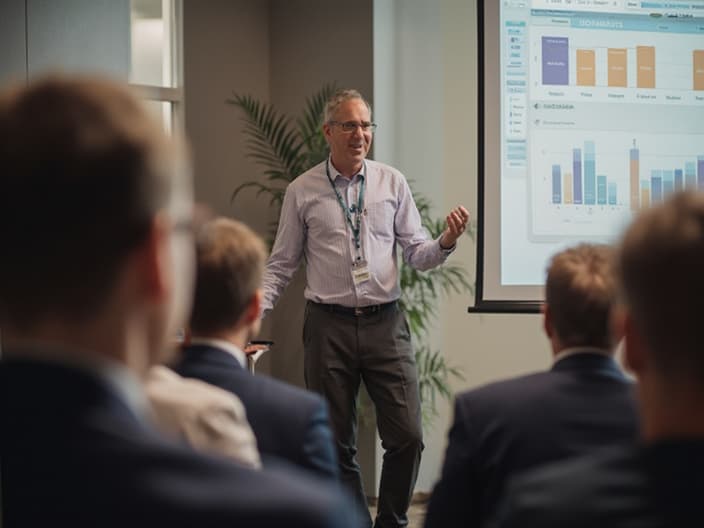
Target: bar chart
<point x="662" y="182"/>
<point x="614" y="59"/>
<point x="581" y="185"/>
<point x="590" y="183"/>
<point x="614" y="64"/>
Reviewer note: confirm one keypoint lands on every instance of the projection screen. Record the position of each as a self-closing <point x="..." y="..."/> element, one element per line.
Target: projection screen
<point x="589" y="110"/>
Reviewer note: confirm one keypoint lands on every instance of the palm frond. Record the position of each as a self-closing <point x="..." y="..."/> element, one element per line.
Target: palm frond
<point x="273" y="142"/>
<point x="275" y="194"/>
<point x="433" y="379"/>
<point x="311" y="122"/>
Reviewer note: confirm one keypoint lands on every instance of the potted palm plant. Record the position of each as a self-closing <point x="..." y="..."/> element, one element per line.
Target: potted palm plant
<point x="286" y="148"/>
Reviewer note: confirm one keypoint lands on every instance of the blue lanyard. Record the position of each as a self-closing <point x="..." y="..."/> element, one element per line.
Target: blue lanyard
<point x="355" y="227"/>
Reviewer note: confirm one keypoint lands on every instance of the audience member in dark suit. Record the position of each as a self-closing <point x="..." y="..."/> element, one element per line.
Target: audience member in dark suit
<point x="659" y="483"/>
<point x="96" y="272"/>
<point x="582" y="404"/>
<point x="288" y="422"/>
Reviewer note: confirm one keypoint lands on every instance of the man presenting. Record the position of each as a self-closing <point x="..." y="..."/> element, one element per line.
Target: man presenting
<point x="346" y="216"/>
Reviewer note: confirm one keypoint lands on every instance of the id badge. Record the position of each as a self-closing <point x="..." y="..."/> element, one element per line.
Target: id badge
<point x="360" y="272"/>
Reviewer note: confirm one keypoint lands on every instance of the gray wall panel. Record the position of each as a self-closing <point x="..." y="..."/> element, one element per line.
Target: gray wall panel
<point x="13" y="49"/>
<point x="79" y="36"/>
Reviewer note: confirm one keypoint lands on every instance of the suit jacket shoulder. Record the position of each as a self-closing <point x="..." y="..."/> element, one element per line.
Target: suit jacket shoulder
<point x="654" y="486"/>
<point x="74" y="454"/>
<point x="288" y="422"/>
<point x="510" y="426"/>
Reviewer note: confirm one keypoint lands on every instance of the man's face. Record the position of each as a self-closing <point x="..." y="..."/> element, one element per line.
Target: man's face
<point x="348" y="149"/>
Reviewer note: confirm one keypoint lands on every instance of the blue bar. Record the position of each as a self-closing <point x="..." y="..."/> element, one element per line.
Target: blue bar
<point x="678" y="180"/>
<point x="612" y="193"/>
<point x="690" y="174"/>
<point x="634" y="172"/>
<point x="589" y="173"/>
<point x="656" y="184"/>
<point x="700" y="173"/>
<point x="577" y="175"/>
<point x="556" y="185"/>
<point x="668" y="182"/>
<point x="601" y="190"/>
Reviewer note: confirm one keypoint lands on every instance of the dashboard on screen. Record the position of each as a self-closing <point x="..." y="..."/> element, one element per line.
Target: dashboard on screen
<point x="590" y="111"/>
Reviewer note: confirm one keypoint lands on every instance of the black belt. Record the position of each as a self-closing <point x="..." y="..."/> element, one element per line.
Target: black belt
<point x="360" y="311"/>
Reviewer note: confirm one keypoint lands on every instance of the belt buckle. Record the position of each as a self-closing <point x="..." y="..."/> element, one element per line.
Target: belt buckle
<point x="358" y="311"/>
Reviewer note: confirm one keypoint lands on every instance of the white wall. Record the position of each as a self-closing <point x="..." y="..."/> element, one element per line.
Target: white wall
<point x="425" y="85"/>
<point x="226" y="50"/>
<point x="40" y="36"/>
<point x="13" y="41"/>
<point x="79" y="35"/>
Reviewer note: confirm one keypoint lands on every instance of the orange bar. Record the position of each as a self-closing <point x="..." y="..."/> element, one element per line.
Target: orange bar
<point x="586" y="67"/>
<point x="567" y="187"/>
<point x="644" y="197"/>
<point x="618" y="62"/>
<point x="645" y="57"/>
<point x="698" y="69"/>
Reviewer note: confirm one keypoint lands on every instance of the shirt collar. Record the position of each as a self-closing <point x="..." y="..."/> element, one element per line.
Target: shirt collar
<point x="567" y="352"/>
<point x="228" y="347"/>
<point x="335" y="174"/>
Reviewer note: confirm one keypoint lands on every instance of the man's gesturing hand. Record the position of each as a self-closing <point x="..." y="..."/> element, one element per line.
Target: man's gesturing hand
<point x="456" y="225"/>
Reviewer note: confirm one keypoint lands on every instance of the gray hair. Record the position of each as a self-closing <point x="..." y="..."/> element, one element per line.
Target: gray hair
<point x="333" y="104"/>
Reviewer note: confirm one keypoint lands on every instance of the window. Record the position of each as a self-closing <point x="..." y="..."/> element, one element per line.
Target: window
<point x="156" y="39"/>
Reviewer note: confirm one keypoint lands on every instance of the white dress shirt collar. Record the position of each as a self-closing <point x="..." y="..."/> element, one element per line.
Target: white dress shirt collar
<point x="573" y="351"/>
<point x="228" y="347"/>
<point x="335" y="174"/>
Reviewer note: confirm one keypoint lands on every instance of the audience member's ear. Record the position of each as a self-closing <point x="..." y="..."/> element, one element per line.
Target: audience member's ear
<point x="547" y="320"/>
<point x="635" y="357"/>
<point x="254" y="308"/>
<point x="618" y="321"/>
<point x="153" y="258"/>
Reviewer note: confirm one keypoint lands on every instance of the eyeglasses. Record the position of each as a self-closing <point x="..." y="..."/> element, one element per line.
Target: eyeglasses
<point x="350" y="126"/>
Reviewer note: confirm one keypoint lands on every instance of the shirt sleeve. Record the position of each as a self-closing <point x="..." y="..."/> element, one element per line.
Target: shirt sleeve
<point x="419" y="250"/>
<point x="287" y="251"/>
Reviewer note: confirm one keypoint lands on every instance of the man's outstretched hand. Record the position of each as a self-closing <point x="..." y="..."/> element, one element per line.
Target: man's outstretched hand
<point x="456" y="225"/>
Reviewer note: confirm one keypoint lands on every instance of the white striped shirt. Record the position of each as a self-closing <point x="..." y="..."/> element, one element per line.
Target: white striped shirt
<point x="313" y="226"/>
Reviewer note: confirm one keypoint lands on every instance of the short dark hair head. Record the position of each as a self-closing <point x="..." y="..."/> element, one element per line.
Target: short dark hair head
<point x="84" y="170"/>
<point x="660" y="272"/>
<point x="229" y="267"/>
<point x="580" y="291"/>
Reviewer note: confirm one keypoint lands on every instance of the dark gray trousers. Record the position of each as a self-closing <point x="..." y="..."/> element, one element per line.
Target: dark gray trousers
<point x="340" y="351"/>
